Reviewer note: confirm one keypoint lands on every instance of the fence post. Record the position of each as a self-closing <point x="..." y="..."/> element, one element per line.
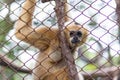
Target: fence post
<point x="63" y="43"/>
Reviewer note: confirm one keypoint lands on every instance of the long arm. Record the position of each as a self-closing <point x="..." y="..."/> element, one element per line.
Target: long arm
<point x="23" y="25"/>
<point x="40" y="37"/>
<point x="24" y="30"/>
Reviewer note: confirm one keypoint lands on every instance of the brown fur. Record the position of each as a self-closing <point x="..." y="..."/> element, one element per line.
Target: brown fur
<point x="49" y="63"/>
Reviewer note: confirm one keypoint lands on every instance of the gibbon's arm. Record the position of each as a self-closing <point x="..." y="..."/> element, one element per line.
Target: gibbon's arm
<point x="23" y="25"/>
<point x="39" y="37"/>
<point x="25" y="32"/>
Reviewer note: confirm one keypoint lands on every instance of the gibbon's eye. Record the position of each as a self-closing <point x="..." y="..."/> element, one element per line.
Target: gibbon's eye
<point x="79" y="33"/>
<point x="72" y="33"/>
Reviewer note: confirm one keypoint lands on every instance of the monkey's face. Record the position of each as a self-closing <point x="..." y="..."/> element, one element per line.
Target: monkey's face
<point x="75" y="38"/>
<point x="76" y="35"/>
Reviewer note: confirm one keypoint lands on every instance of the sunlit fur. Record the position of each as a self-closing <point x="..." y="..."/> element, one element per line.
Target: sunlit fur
<point x="49" y="63"/>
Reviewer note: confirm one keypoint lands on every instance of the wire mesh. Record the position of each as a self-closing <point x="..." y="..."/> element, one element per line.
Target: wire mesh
<point x="97" y="59"/>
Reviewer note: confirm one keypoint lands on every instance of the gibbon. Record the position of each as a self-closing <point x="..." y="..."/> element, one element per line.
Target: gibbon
<point x="49" y="63"/>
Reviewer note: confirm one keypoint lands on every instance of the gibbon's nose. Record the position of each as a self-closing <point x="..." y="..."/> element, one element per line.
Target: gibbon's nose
<point x="75" y="40"/>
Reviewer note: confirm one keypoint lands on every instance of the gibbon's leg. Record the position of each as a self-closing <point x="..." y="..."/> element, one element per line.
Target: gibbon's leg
<point x="42" y="66"/>
<point x="45" y="65"/>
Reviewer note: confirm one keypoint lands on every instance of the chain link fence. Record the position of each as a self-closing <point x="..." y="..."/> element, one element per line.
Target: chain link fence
<point x="97" y="59"/>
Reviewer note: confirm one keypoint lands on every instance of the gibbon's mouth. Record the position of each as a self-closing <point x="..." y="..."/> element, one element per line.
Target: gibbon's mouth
<point x="75" y="40"/>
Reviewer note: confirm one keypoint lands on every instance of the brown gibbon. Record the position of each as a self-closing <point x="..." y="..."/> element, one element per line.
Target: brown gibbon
<point x="49" y="63"/>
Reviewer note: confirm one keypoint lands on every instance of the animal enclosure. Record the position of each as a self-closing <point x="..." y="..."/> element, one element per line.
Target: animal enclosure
<point x="97" y="59"/>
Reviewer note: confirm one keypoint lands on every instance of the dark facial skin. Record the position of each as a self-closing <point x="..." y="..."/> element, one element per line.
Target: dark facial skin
<point x="76" y="36"/>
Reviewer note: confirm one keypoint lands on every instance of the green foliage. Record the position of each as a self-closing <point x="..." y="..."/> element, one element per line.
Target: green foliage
<point x="92" y="23"/>
<point x="116" y="60"/>
<point x="7" y="1"/>
<point x="9" y="74"/>
<point x="6" y="73"/>
<point x="90" y="67"/>
<point x="5" y="26"/>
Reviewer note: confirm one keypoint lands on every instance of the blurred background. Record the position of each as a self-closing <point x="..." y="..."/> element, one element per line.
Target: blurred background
<point x="100" y="17"/>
